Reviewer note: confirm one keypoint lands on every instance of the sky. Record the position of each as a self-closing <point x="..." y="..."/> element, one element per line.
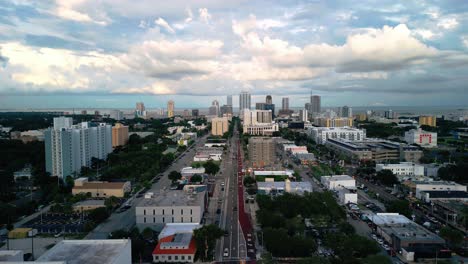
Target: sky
<point x="112" y="53"/>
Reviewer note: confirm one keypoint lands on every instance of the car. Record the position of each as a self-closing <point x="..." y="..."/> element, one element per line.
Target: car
<point x="374" y="237"/>
<point x="226" y="233"/>
<point x="380" y="241"/>
<point x="226" y="252"/>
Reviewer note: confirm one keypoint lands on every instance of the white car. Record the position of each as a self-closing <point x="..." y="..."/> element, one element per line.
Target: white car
<point x="226" y="252"/>
<point x="380" y="241"/>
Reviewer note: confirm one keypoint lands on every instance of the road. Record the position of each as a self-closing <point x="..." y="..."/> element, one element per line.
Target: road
<point x="126" y="219"/>
<point x="229" y="216"/>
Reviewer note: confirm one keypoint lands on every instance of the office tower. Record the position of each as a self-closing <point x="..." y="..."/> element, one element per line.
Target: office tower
<point x="119" y="135"/>
<point x="226" y="110"/>
<point x="285" y="103"/>
<point x="303" y="115"/>
<point x="116" y="115"/>
<point x="244" y="101"/>
<point x="195" y="112"/>
<point x="68" y="148"/>
<point x="333" y="122"/>
<point x="315" y="104"/>
<point x="427" y="121"/>
<point x="253" y="117"/>
<point x="186" y="113"/>
<point x="262" y="152"/>
<point x="345" y="111"/>
<point x="260" y="106"/>
<point x="219" y="126"/>
<point x="140" y="108"/>
<point x="229" y="100"/>
<point x="268" y="99"/>
<point x="214" y="108"/>
<point x="62" y="122"/>
<point x="170" y="108"/>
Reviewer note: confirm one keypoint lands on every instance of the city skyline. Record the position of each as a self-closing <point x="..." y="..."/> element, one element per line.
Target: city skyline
<point x="113" y="54"/>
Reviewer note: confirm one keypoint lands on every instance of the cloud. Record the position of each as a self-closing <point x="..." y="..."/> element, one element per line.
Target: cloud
<point x="447" y="23"/>
<point x="163" y="23"/>
<point x="205" y="16"/>
<point x="67" y="9"/>
<point x="464" y="40"/>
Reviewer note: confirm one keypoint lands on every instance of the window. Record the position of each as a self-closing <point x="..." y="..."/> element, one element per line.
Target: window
<point x="144" y="212"/>
<point x="172" y="211"/>
<point x="154" y="220"/>
<point x="156" y="257"/>
<point x="189" y="257"/>
<point x="182" y="257"/>
<point x="191" y="219"/>
<point x="181" y="219"/>
<point x="144" y="219"/>
<point x="190" y="211"/>
<point x="163" y="211"/>
<point x="169" y="257"/>
<point x="181" y="211"/>
<point x="154" y="211"/>
<point x="176" y="257"/>
<point x="172" y="219"/>
<point x="163" y="219"/>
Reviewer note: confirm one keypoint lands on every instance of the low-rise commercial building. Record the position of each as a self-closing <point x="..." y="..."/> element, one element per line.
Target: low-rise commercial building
<point x="108" y="251"/>
<point x="337" y="182"/>
<point x="431" y="196"/>
<point x="411" y="239"/>
<point x="172" y="206"/>
<point x="88" y="205"/>
<point x="305" y="158"/>
<point x="272" y="174"/>
<point x="347" y="195"/>
<point x="101" y="189"/>
<point x="205" y="154"/>
<point x="189" y="171"/>
<point x="176" y="248"/>
<point x="420" y="137"/>
<point x="270" y="187"/>
<point x="434" y="186"/>
<point x="402" y="169"/>
<point x="321" y="134"/>
<point x="378" y="150"/>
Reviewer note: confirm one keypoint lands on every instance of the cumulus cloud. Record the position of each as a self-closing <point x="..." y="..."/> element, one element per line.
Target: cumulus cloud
<point x="163" y="23"/>
<point x="69" y="9"/>
<point x="205" y="16"/>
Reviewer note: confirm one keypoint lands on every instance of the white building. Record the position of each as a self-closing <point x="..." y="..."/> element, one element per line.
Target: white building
<point x="189" y="171"/>
<point x="346" y="196"/>
<point x="259" y="122"/>
<point x="172" y="206"/>
<point x="244" y="101"/>
<point x="420" y="137"/>
<point x="108" y="251"/>
<point x="322" y="134"/>
<point x="442" y="186"/>
<point x="271" y="187"/>
<point x="288" y="173"/>
<point x="337" y="182"/>
<point x="176" y="248"/>
<point x="304" y="115"/>
<point x="68" y="147"/>
<point x="402" y="169"/>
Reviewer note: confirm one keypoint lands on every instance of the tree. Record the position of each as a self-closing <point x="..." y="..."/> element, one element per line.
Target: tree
<point x="211" y="167"/>
<point x="387" y="177"/>
<point x="111" y="202"/>
<point x="400" y="206"/>
<point x="98" y="215"/>
<point x="453" y="237"/>
<point x="376" y="259"/>
<point x="174" y="176"/>
<point x="196" y="178"/>
<point x="205" y="239"/>
<point x="249" y="181"/>
<point x="147" y="233"/>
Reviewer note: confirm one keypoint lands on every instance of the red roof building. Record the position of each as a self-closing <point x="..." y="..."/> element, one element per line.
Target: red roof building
<point x="179" y="247"/>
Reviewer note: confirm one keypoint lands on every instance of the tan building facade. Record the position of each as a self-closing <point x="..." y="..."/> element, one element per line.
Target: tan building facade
<point x="119" y="135"/>
<point x="219" y="126"/>
<point x="170" y="108"/>
<point x="101" y="189"/>
<point x="333" y="122"/>
<point x="262" y="151"/>
<point x="427" y="121"/>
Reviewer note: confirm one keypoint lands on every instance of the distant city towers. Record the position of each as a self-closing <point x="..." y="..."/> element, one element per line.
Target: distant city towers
<point x="170" y="108"/>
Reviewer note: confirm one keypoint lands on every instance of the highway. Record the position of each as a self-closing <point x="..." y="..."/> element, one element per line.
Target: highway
<point x="126" y="219"/>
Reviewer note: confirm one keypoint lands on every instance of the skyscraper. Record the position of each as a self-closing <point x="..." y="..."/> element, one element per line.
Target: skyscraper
<point x="268" y="99"/>
<point x="345" y="111"/>
<point x="68" y="148"/>
<point x="303" y="115"/>
<point x="285" y="103"/>
<point x="214" y="108"/>
<point x="261" y="151"/>
<point x="194" y="112"/>
<point x="244" y="101"/>
<point x="170" y="108"/>
<point x="229" y="100"/>
<point x="315" y="104"/>
<point x="119" y="135"/>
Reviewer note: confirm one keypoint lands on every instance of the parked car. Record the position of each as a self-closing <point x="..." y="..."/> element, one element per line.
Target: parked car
<point x="226" y="252"/>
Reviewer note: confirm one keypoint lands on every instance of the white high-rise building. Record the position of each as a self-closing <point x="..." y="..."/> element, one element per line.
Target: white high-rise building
<point x="116" y="115"/>
<point x="285" y="103"/>
<point x="345" y="111"/>
<point x="303" y="115"/>
<point x="244" y="101"/>
<point x="322" y="134"/>
<point x="229" y="100"/>
<point x="68" y="148"/>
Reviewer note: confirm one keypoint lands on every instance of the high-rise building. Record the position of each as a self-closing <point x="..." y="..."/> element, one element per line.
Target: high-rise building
<point x="390" y="114"/>
<point x="333" y="122"/>
<point x="303" y="115"/>
<point x="229" y="100"/>
<point x="315" y="104"/>
<point x="285" y="103"/>
<point x="244" y="101"/>
<point x="427" y="121"/>
<point x="269" y="99"/>
<point x="170" y="108"/>
<point x="186" y="113"/>
<point x="262" y="152"/>
<point x="119" y="135"/>
<point x="116" y="115"/>
<point x="226" y="109"/>
<point x="195" y="112"/>
<point x="345" y="111"/>
<point x="219" y="126"/>
<point x="257" y="116"/>
<point x="68" y="148"/>
<point x="84" y="112"/>
<point x="214" y="108"/>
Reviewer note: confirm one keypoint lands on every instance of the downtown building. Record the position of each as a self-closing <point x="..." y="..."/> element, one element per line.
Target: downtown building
<point x="333" y="122"/>
<point x="170" y="108"/>
<point x="69" y="147"/>
<point x="321" y="134"/>
<point x="244" y="101"/>
<point x="403" y="169"/>
<point x="262" y="152"/>
<point x="422" y="138"/>
<point x="119" y="135"/>
<point x="219" y="126"/>
<point x="259" y="122"/>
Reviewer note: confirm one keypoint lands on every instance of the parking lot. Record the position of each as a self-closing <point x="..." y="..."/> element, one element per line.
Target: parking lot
<point x="54" y="223"/>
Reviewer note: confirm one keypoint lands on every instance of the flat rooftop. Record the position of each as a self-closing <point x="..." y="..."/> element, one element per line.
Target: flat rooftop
<point x="173" y="228"/>
<point x="174" y="198"/>
<point x="389" y="219"/>
<point x="101" y="185"/>
<point x="340" y="178"/>
<point x="87" y="251"/>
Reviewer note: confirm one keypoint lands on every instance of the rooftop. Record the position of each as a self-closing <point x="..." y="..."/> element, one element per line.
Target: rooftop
<point x="173" y="228"/>
<point x="340" y="178"/>
<point x="447" y="194"/>
<point x="177" y="239"/>
<point x="6" y="255"/>
<point x="191" y="197"/>
<point x="389" y="219"/>
<point x="272" y="173"/>
<point x="86" y="251"/>
<point x="90" y="202"/>
<point x="100" y="185"/>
